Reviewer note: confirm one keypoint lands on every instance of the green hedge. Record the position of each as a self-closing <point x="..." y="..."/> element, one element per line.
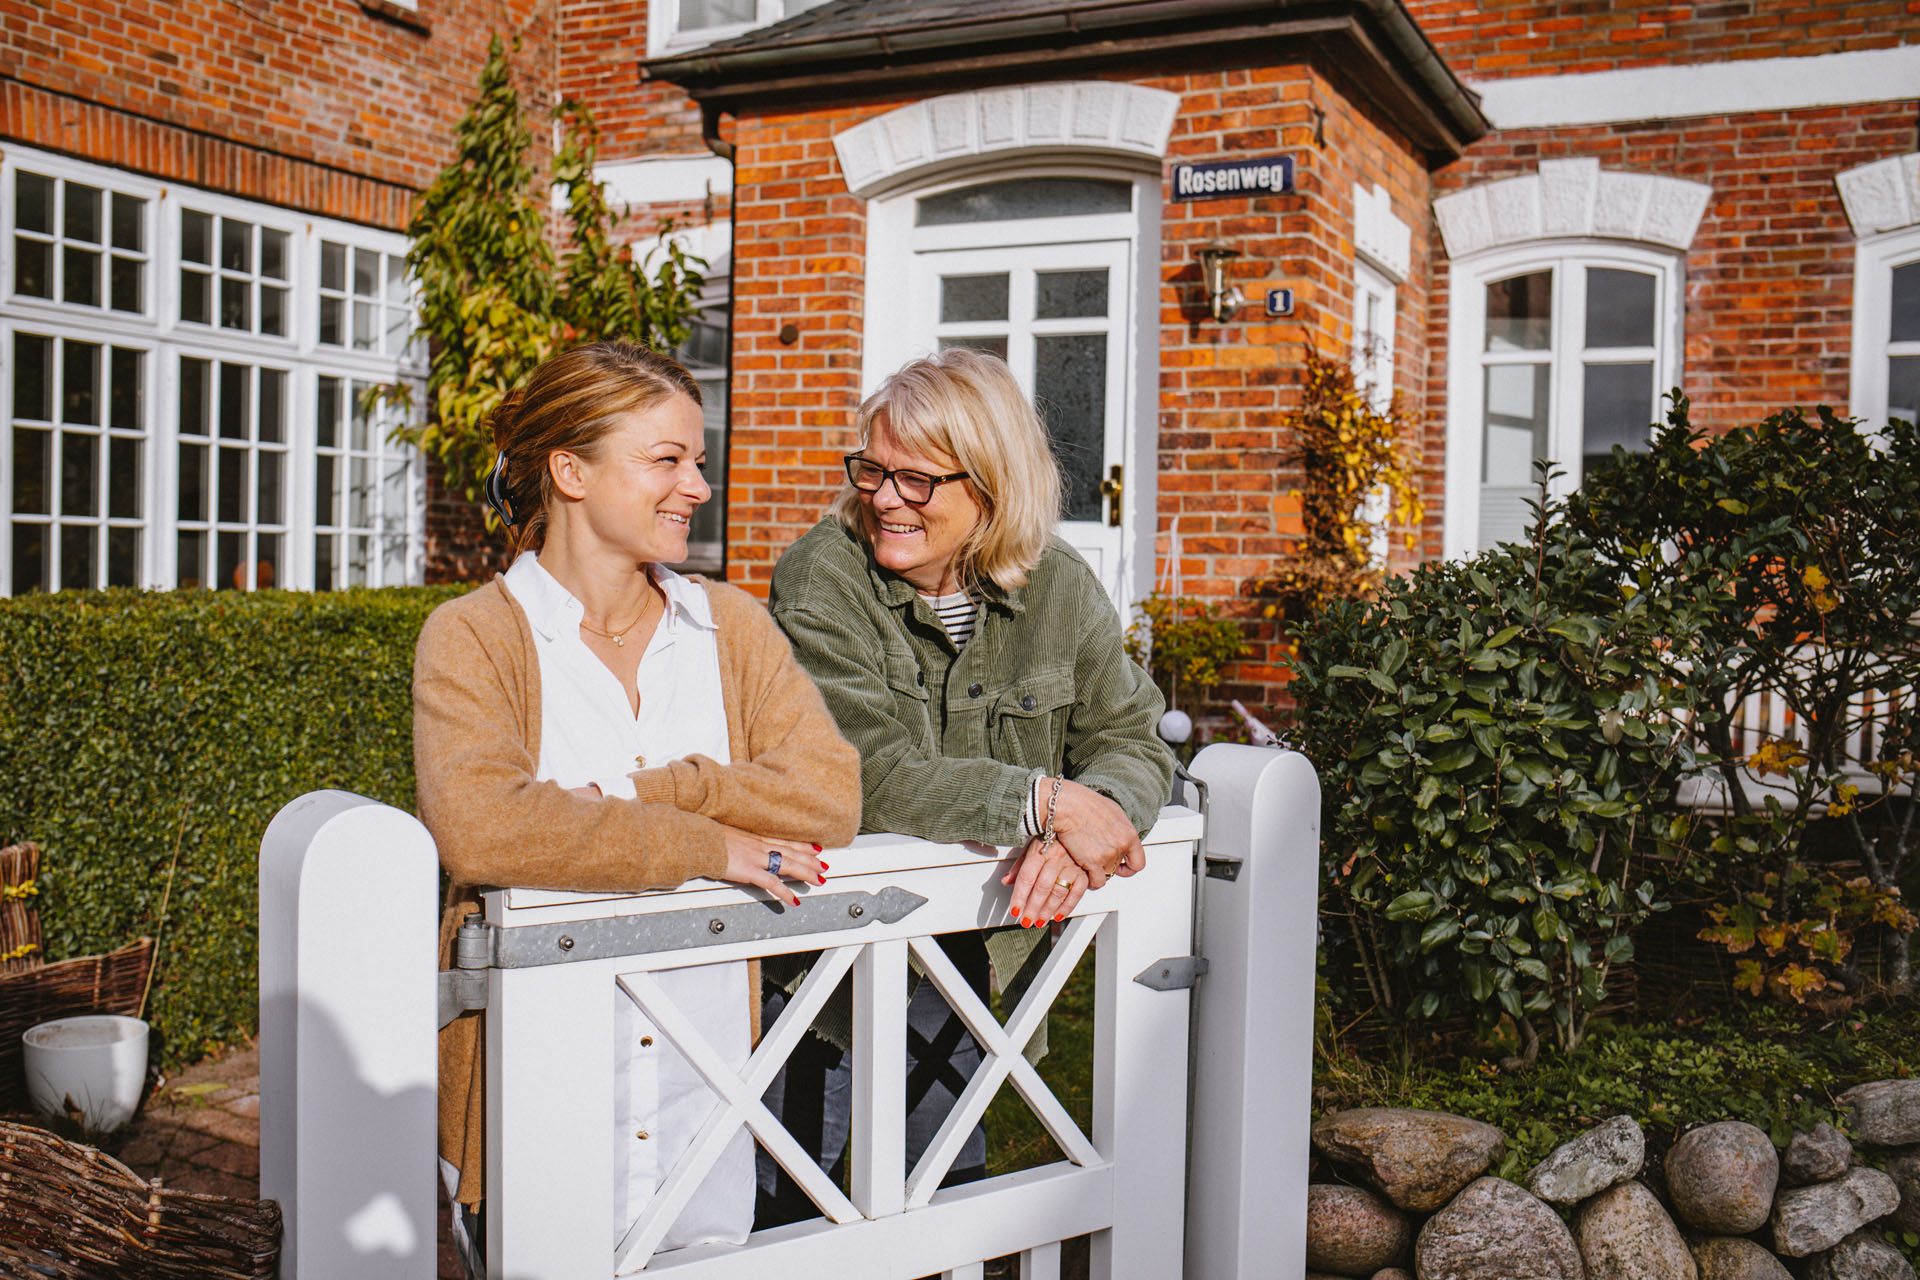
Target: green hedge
<point x="132" y="720"/>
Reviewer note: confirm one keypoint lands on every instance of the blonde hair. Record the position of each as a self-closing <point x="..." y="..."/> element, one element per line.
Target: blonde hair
<point x="569" y="402"/>
<point x="966" y="404"/>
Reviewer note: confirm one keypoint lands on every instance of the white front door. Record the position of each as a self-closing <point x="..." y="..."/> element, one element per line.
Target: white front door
<point x="1056" y="314"/>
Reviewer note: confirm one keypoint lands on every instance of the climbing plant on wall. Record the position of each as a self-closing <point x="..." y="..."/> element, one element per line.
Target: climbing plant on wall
<point x="495" y="298"/>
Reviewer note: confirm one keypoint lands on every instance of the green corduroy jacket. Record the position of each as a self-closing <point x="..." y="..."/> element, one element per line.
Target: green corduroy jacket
<point x="950" y="741"/>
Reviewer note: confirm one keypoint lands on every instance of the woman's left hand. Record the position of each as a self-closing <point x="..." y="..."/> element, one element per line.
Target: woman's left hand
<point x="1046" y="884"/>
<point x="1096" y="833"/>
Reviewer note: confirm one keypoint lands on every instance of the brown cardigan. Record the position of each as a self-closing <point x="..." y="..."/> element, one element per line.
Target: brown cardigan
<point x="476" y="746"/>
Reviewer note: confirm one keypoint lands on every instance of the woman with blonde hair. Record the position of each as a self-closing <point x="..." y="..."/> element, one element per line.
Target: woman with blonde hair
<point x="592" y="721"/>
<point x="976" y="662"/>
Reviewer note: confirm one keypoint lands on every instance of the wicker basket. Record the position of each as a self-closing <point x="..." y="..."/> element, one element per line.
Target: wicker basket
<point x="70" y="1212"/>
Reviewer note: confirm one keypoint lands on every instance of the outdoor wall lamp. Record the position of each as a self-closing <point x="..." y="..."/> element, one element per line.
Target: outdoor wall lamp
<point x="1222" y="299"/>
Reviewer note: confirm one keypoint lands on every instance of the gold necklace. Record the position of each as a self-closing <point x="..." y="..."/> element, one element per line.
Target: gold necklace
<point x="619" y="637"/>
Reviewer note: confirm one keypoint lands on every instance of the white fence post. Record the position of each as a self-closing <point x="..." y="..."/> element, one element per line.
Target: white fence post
<point x="348" y="891"/>
<point x="1253" y="1066"/>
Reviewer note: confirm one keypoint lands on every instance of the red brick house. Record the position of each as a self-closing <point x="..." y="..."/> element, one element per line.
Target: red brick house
<point x="1528" y="218"/>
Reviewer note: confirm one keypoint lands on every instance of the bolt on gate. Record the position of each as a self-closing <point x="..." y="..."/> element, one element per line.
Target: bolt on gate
<point x="1201" y="1174"/>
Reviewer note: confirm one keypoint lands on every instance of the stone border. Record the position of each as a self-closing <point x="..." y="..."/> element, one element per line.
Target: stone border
<point x="1882" y="196"/>
<point x="1571" y="199"/>
<point x="1087" y="115"/>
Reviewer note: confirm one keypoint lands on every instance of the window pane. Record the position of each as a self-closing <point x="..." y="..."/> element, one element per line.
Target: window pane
<point x="1619" y="308"/>
<point x="1070" y="388"/>
<point x="79" y="547"/>
<point x="362" y="430"/>
<point x="193" y="482"/>
<point x="267" y="500"/>
<point x="366" y="273"/>
<point x="196" y="237"/>
<point x="1616" y="409"/>
<point x="696" y="14"/>
<point x="127" y="277"/>
<point x="30" y="558"/>
<point x="230" y="567"/>
<point x="332" y="315"/>
<point x="123" y="557"/>
<point x="333" y="265"/>
<point x="992" y="344"/>
<point x="32" y="267"/>
<point x="125" y="391"/>
<point x="393" y="560"/>
<point x="196" y="297"/>
<point x="32" y="461"/>
<point x="1520" y="313"/>
<point x="233" y="400"/>
<point x="972" y="298"/>
<point x="363" y="326"/>
<point x="79" y="475"/>
<point x="195" y="396"/>
<point x="273" y="399"/>
<point x="326" y="548"/>
<point x="33" y="203"/>
<point x="129" y="223"/>
<point x="360" y="494"/>
<point x="80" y="270"/>
<point x="191" y="569"/>
<point x="1061" y="295"/>
<point x="1516" y="423"/>
<point x="236" y="297"/>
<point x="80" y="392"/>
<point x="396" y="280"/>
<point x="32" y="377"/>
<point x="273" y="254"/>
<point x="232" y="465"/>
<point x="328" y="424"/>
<point x="123" y="478"/>
<point x="1903" y="388"/>
<point x="83" y="213"/>
<point x="1906" y="304"/>
<point x="1024" y="198"/>
<point x="236" y="245"/>
<point x="326" y="490"/>
<point x="266" y="566"/>
<point x="357" y="560"/>
<point x="273" y="311"/>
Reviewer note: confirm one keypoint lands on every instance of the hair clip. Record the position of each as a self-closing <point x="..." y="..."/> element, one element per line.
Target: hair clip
<point x="497" y="489"/>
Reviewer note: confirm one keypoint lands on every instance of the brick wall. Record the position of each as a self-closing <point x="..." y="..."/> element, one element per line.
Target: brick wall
<point x="1556" y="37"/>
<point x="1769" y="278"/>
<point x="601" y="45"/>
<point x="1223" y="468"/>
<point x="314" y="104"/>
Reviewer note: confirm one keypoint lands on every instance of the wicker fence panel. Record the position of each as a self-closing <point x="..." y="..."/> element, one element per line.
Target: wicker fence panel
<point x="112" y="983"/>
<point x="19" y="920"/>
<point x="71" y="1212"/>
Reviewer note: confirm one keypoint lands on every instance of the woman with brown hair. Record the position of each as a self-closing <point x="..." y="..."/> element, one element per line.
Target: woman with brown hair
<point x="592" y="721"/>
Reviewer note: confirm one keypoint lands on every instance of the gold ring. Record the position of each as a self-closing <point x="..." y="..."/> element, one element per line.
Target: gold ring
<point x="1062" y="884"/>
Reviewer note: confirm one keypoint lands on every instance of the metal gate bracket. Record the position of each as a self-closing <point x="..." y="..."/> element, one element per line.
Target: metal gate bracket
<point x="1223" y="866"/>
<point x="1174" y="973"/>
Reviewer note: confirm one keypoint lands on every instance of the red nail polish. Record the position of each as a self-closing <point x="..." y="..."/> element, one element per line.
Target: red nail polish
<point x="817" y="849"/>
<point x="1062" y="916"/>
<point x="825" y="865"/>
<point x="821" y="880"/>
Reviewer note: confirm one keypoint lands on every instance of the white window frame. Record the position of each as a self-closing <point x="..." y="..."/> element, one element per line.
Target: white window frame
<point x="1373" y="344"/>
<point x="160" y="332"/>
<point x="1874" y="261"/>
<point x="1467" y="336"/>
<point x="665" y="36"/>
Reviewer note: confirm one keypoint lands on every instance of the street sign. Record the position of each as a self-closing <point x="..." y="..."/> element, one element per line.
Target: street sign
<point x="1266" y="176"/>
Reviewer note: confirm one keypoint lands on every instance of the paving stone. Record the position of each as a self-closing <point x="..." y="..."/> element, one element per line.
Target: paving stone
<point x="231" y="1157"/>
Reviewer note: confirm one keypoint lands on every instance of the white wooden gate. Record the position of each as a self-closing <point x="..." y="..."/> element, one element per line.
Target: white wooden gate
<point x="550" y="1055"/>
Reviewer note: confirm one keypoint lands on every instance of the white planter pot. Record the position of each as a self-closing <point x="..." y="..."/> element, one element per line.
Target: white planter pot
<point x="98" y="1061"/>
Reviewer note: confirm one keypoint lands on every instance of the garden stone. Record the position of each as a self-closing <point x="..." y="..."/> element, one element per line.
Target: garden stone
<point x="1353" y="1232"/>
<point x="1722" y="1176"/>
<point x="1886" y="1113"/>
<point x="1624" y="1234"/>
<point x="1820" y="1155"/>
<point x="1495" y="1230"/>
<point x="1589" y="1164"/>
<point x="1861" y="1256"/>
<point x="1807" y="1220"/>
<point x="1417" y="1158"/>
<point x="1735" y="1258"/>
<point x="1392" y="1273"/>
<point x="1904" y="1169"/>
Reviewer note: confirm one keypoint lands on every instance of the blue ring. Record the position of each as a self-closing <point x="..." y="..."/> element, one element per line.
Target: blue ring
<point x="773" y="862"/>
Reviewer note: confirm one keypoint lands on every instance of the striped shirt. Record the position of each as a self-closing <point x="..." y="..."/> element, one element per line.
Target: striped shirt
<point x="956" y="613"/>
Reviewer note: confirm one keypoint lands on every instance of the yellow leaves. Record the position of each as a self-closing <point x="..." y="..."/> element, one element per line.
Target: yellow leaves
<point x="20" y="952"/>
<point x="1816" y="582"/>
<point x="25" y="889"/>
<point x="1776" y="757"/>
<point x="1844" y="800"/>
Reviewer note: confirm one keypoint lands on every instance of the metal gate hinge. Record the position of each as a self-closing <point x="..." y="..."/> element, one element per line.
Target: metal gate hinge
<point x="1173" y="973"/>
<point x="1223" y="866"/>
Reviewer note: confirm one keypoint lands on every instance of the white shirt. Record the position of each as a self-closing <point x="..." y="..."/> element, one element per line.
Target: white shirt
<point x="589" y="734"/>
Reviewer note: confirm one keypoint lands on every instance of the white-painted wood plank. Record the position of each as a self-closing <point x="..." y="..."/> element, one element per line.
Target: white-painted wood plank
<point x="877" y="1140"/>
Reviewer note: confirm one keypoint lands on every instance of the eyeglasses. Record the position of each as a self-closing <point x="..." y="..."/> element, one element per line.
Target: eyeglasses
<point x="913" y="486"/>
